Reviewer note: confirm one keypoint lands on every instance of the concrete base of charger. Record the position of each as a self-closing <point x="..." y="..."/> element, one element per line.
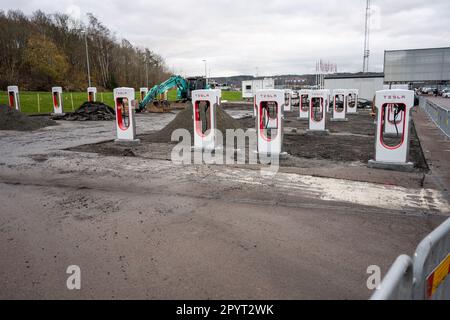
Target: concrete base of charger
<point x="393" y="166"/>
<point x="127" y="142"/>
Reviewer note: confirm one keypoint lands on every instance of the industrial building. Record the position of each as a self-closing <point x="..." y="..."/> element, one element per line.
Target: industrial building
<point x="366" y="83"/>
<point x="402" y="69"/>
<point x="417" y="66"/>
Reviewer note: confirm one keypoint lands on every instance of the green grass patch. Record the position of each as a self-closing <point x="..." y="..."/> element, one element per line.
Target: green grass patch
<point x="232" y="95"/>
<point x="41" y="102"/>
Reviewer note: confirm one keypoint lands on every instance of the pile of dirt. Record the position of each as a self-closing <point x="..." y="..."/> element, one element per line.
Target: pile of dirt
<point x="184" y="120"/>
<point x="11" y="119"/>
<point x="89" y="111"/>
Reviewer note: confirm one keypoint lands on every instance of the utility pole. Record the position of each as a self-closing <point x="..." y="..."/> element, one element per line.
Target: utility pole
<point x="206" y="74"/>
<point x="366" y="39"/>
<point x="87" y="57"/>
<point x="146" y="70"/>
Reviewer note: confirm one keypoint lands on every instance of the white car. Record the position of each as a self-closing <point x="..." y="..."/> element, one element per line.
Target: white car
<point x="444" y="91"/>
<point x="446" y="94"/>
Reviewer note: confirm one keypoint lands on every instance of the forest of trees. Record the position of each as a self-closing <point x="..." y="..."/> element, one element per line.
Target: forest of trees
<point x="45" y="50"/>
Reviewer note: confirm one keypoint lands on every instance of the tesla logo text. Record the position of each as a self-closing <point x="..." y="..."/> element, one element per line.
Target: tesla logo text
<point x="394" y="97"/>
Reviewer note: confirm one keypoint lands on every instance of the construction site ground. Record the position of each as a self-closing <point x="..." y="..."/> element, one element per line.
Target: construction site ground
<point x="140" y="226"/>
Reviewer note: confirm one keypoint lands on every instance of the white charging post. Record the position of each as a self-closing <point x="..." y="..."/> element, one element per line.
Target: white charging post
<point x="204" y="104"/>
<point x="389" y="153"/>
<point x="142" y="93"/>
<point x="124" y="101"/>
<point x="288" y="100"/>
<point x="339" y="105"/>
<point x="13" y="97"/>
<point x="92" y="94"/>
<point x="304" y="96"/>
<point x="57" y="100"/>
<point x="269" y="104"/>
<point x="317" y="112"/>
<point x="352" y="101"/>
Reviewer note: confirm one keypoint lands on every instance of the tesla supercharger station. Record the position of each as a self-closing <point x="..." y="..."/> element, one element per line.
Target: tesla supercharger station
<point x="352" y="101"/>
<point x="392" y="154"/>
<point x="204" y="104"/>
<point x="92" y="94"/>
<point x="304" y="105"/>
<point x="327" y="103"/>
<point x="57" y="100"/>
<point x="13" y="97"/>
<point x="393" y="120"/>
<point x="270" y="121"/>
<point x="317" y="111"/>
<point x="339" y="105"/>
<point x="125" y="117"/>
<point x="288" y="100"/>
<point x="142" y="93"/>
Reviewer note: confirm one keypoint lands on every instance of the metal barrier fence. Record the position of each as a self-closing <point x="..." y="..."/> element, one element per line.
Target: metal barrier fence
<point x="424" y="277"/>
<point x="440" y="116"/>
<point x="398" y="282"/>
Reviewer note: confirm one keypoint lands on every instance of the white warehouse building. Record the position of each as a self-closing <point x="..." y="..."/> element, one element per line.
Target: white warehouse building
<point x="367" y="84"/>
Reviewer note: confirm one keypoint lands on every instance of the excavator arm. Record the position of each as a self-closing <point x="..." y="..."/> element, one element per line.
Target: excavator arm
<point x="174" y="81"/>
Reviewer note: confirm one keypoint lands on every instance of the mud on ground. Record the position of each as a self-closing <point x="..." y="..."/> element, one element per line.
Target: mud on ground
<point x="11" y="119"/>
<point x="342" y="154"/>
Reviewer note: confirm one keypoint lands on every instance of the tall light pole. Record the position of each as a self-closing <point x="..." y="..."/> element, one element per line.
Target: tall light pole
<point x="206" y="75"/>
<point x="366" y="39"/>
<point x="146" y="69"/>
<point x="87" y="57"/>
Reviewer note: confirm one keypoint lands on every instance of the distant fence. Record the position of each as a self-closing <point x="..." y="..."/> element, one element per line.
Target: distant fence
<point x="42" y="102"/>
<point x="426" y="276"/>
<point x="440" y="116"/>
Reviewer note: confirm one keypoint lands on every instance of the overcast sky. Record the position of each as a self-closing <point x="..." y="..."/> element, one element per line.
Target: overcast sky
<point x="264" y="37"/>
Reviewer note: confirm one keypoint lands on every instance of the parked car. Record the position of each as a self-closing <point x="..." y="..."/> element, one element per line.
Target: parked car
<point x="364" y="103"/>
<point x="446" y="94"/>
<point x="444" y="91"/>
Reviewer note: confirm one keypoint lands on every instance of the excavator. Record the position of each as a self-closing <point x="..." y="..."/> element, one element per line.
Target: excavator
<point x="184" y="92"/>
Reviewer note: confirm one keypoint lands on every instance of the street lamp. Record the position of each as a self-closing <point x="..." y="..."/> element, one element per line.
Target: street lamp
<point x="206" y="75"/>
<point x="146" y="69"/>
<point x="87" y="56"/>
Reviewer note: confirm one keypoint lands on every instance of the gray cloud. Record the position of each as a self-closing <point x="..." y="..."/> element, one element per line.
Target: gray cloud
<point x="275" y="37"/>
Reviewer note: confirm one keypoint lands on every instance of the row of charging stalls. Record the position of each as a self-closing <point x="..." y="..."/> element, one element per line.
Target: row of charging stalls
<point x="393" y="116"/>
<point x="393" y="106"/>
<point x="205" y="103"/>
<point x="57" y="98"/>
<point x="393" y="119"/>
